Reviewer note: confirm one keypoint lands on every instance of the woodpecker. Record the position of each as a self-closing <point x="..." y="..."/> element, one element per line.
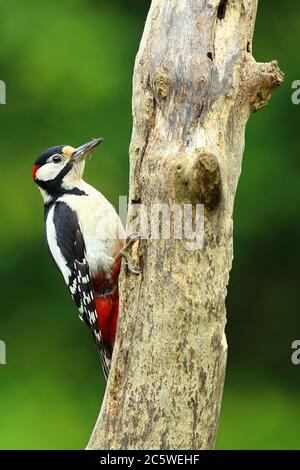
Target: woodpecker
<point x="86" y="239"/>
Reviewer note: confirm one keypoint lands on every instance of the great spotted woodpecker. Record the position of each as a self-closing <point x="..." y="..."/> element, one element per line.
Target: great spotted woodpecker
<point x="86" y="239"/>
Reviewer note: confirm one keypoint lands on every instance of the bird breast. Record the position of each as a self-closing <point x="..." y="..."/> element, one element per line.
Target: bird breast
<point x="101" y="227"/>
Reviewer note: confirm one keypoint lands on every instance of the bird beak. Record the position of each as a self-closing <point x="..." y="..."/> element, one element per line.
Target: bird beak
<point x="84" y="150"/>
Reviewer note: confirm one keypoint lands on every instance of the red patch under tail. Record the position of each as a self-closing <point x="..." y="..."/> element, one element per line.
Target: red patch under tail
<point x="107" y="307"/>
<point x="107" y="304"/>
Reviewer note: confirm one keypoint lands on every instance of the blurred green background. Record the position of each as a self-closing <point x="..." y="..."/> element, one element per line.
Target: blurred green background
<point x="68" y="70"/>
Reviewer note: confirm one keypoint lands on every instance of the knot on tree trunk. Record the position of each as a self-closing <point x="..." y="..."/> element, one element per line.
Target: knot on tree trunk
<point x="259" y="79"/>
<point x="198" y="179"/>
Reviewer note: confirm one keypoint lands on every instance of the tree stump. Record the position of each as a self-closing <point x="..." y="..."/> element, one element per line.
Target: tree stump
<point x="195" y="85"/>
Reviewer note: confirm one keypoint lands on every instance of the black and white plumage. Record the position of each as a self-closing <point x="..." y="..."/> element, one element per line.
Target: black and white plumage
<point x="84" y="234"/>
<point x="70" y="242"/>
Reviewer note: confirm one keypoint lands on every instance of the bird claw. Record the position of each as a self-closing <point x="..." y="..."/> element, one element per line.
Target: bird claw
<point x="131" y="239"/>
<point x="124" y="254"/>
<point x="130" y="265"/>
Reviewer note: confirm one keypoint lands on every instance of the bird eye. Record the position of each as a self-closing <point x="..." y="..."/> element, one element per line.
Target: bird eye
<point x="57" y="158"/>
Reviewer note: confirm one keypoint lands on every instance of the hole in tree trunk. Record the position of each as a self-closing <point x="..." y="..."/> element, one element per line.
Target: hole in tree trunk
<point x="248" y="47"/>
<point x="210" y="56"/>
<point x="222" y="9"/>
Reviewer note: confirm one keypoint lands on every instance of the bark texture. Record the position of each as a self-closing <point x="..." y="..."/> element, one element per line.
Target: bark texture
<point x="195" y="85"/>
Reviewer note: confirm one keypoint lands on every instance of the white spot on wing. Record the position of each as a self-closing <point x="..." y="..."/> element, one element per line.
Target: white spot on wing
<point x="73" y="287"/>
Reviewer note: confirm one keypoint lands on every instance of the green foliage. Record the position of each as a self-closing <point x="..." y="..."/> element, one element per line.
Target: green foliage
<point x="68" y="71"/>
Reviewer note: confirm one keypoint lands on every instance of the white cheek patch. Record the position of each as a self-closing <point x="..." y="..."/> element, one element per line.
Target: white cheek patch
<point x="49" y="171"/>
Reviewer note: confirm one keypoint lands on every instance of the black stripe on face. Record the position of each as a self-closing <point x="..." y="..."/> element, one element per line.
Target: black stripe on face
<point x="54" y="187"/>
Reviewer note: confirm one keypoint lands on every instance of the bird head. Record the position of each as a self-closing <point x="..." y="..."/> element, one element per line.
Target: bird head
<point x="59" y="169"/>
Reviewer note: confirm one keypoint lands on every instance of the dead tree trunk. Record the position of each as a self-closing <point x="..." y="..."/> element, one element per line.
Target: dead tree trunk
<point x="195" y="85"/>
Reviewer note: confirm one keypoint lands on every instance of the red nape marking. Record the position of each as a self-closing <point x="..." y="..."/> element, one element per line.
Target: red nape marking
<point x="107" y="308"/>
<point x="34" y="170"/>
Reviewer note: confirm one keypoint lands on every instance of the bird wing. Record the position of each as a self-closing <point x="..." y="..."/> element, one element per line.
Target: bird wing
<point x="70" y="241"/>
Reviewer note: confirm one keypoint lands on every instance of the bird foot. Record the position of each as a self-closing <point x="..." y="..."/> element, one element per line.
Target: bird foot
<point x="125" y="255"/>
